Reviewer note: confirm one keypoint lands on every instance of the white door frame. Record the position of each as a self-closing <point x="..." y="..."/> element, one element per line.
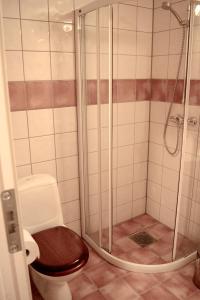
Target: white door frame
<point x="14" y="277"/>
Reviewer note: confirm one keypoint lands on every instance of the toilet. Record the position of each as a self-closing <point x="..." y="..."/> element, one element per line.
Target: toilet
<point x="62" y="252"/>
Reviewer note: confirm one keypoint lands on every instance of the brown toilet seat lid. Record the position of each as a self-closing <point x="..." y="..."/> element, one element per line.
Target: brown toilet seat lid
<point x="62" y="251"/>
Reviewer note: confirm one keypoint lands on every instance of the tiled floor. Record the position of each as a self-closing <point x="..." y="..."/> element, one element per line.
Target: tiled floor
<point x="158" y="252"/>
<point x="101" y="281"/>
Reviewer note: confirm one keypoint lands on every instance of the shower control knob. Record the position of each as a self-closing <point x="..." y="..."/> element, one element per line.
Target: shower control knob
<point x="192" y="121"/>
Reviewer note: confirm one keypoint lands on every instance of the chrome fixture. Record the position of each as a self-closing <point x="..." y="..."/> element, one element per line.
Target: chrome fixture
<point x="184" y="25"/>
<point x="179" y="120"/>
<point x="167" y="6"/>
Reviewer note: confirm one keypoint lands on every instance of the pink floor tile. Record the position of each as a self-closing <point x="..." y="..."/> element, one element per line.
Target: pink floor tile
<point x="94" y="296"/>
<point x="141" y="282"/>
<point x="102" y="274"/>
<point x="161" y="247"/>
<point x="119" y="289"/>
<point x="188" y="271"/>
<point x="94" y="259"/>
<point x="159" y="293"/>
<point x="161" y="231"/>
<point x="195" y="296"/>
<point x="145" y="220"/>
<point x="180" y="286"/>
<point x="127" y="245"/>
<point x="130" y="227"/>
<point x="144" y="256"/>
<point x="81" y="286"/>
<point x="118" y="232"/>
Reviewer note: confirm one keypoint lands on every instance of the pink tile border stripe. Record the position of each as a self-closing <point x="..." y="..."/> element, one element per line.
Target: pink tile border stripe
<point x="41" y="94"/>
<point x="62" y="93"/>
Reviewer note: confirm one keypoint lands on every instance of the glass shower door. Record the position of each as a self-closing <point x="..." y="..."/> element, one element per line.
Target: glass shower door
<point x="96" y="105"/>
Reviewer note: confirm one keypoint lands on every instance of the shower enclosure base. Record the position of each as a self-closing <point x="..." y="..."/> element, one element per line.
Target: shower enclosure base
<point x="153" y="258"/>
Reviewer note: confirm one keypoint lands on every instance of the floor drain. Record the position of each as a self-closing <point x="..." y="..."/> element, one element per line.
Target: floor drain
<point x="142" y="238"/>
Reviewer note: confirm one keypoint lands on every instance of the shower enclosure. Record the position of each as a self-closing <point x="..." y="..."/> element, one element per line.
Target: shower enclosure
<point x="139" y="132"/>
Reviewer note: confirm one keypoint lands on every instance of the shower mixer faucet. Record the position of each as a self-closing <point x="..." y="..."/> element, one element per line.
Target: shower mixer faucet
<point x="179" y="120"/>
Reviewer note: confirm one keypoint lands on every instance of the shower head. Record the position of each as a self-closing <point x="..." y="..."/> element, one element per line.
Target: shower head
<point x="167" y="6"/>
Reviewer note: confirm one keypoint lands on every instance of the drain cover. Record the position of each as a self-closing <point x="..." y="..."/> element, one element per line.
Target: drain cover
<point x="142" y="238"/>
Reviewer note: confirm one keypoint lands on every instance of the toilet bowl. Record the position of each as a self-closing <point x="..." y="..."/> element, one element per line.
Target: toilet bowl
<point x="62" y="252"/>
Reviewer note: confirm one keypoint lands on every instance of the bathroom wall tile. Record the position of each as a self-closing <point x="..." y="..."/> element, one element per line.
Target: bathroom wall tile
<point x="144" y="43"/>
<point x="144" y="19"/>
<point x="182" y="8"/>
<point x="35" y="35"/>
<point x="155" y="153"/>
<point x="22" y="152"/>
<point x="158" y="112"/>
<point x="126" y="66"/>
<point x="140" y="171"/>
<point x="159" y="90"/>
<point x="138" y="207"/>
<point x="64" y="93"/>
<point x="19" y="125"/>
<point x="125" y="175"/>
<point x="69" y="190"/>
<point x="145" y="3"/>
<point x="124" y="212"/>
<point x="160" y="67"/>
<point x="12" y="34"/>
<point x="141" y="132"/>
<point x="168" y="217"/>
<point x="153" y="209"/>
<point x="18" y="95"/>
<point x="154" y="191"/>
<point x="125" y="135"/>
<point x="161" y="43"/>
<point x="37" y="128"/>
<point x="92" y="136"/>
<point x="75" y="226"/>
<point x="34" y="10"/>
<point x="10" y="8"/>
<point x="127" y="42"/>
<point x="169" y="199"/>
<point x="14" y="66"/>
<point x="171" y="162"/>
<point x="63" y="66"/>
<point x="125" y="90"/>
<point x="71" y="211"/>
<point x="143" y="89"/>
<point x="143" y="68"/>
<point x="42" y="148"/>
<point x="140" y="152"/>
<point x="47" y="167"/>
<point x="175" y="41"/>
<point x="125" y="113"/>
<point x="39" y="94"/>
<point x="37" y="66"/>
<point x="23" y="171"/>
<point x="173" y="65"/>
<point x="125" y="156"/>
<point x="61" y="10"/>
<point x="60" y="39"/>
<point x="66" y="144"/>
<point x="65" y="119"/>
<point x="161" y="20"/>
<point x="127" y="17"/>
<point x="124" y="194"/>
<point x="170" y="179"/>
<point x="155" y="173"/>
<point x="67" y="168"/>
<point x="141" y="111"/>
<point x="156" y="131"/>
<point x="139" y="190"/>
